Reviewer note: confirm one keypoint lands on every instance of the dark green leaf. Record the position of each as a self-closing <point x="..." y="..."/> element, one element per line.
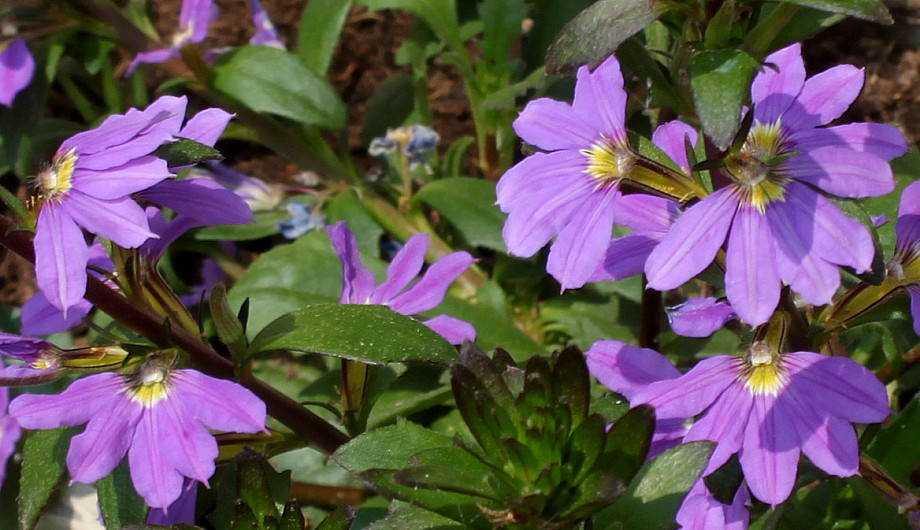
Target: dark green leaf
<point x="185" y="152"/>
<point x="596" y="32"/>
<point x="43" y="468"/>
<point x="320" y="25"/>
<point x="447" y="469"/>
<point x="414" y="518"/>
<point x="337" y="520"/>
<point x="469" y="205"/>
<point x="628" y="442"/>
<point x="228" y="326"/>
<point x="368" y="333"/>
<point x="877" y="511"/>
<point x="458" y="507"/>
<point x="390" y="104"/>
<point x="267" y="79"/>
<point x="873" y="10"/>
<point x="658" y="489"/>
<point x="119" y="503"/>
<point x="243" y="518"/>
<point x="253" y="483"/>
<point x="501" y="23"/>
<point x="401" y="440"/>
<point x="571" y="381"/>
<point x="897" y="446"/>
<point x="804" y="23"/>
<point x="720" y="80"/>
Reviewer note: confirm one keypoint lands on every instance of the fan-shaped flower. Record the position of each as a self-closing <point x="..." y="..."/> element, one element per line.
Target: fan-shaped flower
<point x="16" y="69"/>
<point x="778" y="227"/>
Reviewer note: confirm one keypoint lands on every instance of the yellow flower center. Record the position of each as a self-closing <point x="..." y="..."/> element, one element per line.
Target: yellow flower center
<point x="54" y="181"/>
<point x="754" y="169"/>
<point x="180" y="37"/>
<point x="609" y="161"/>
<point x="762" y="372"/>
<point x="149" y="385"/>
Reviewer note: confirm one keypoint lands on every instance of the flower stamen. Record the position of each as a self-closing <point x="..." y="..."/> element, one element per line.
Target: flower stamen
<point x="56" y="180"/>
<point x="608" y="161"/>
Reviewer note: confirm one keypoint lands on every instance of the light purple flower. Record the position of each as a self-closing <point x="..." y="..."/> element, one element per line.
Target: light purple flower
<point x="699" y="317"/>
<point x="701" y="511"/>
<point x="768" y="408"/>
<point x="194" y="18"/>
<point x="259" y="195"/>
<point x="266" y="34"/>
<point x="778" y="228"/>
<point x="569" y="191"/>
<point x="358" y="282"/>
<point x="905" y="264"/>
<point x="9" y="431"/>
<point x="16" y="69"/>
<point x="89" y="184"/>
<point x="181" y="511"/>
<point x="42" y="360"/>
<point x="157" y="416"/>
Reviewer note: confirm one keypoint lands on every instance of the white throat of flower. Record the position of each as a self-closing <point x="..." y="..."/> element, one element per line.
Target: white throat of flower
<point x="53" y="182"/>
<point x="149" y="385"/>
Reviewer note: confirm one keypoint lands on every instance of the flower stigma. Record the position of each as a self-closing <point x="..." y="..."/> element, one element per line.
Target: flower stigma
<point x="57" y="179"/>
<point x="609" y="161"/>
<point x="762" y="373"/>
<point x="149" y="385"/>
<point x="755" y="170"/>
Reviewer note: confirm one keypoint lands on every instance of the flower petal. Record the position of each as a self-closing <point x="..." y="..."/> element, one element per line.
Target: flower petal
<point x="581" y="245"/>
<point x="600" y="99"/>
<point x="626" y="256"/>
<point x="883" y="141"/>
<point x="752" y="283"/>
<point x="429" y="291"/>
<point x="672" y="138"/>
<point x="96" y="451"/>
<point x="770" y="454"/>
<point x="825" y="97"/>
<point x="39" y="317"/>
<point x="60" y="257"/>
<point x="778" y="84"/>
<point x="829" y="442"/>
<point x="700" y="510"/>
<point x="78" y="403"/>
<point x="454" y="330"/>
<point x="914" y="293"/>
<point x="118" y="182"/>
<point x="357" y="282"/>
<point x="202" y="199"/>
<point x="186" y="445"/>
<point x="841" y="386"/>
<point x="693" y="392"/>
<point x="153" y="476"/>
<point x="693" y="241"/>
<point x="724" y="423"/>
<point x="121" y="220"/>
<point x="406" y="265"/>
<point x="627" y="369"/>
<point x="206" y="126"/>
<point x="219" y="404"/>
<point x="842" y="172"/>
<point x="700" y="317"/>
<point x="552" y="125"/>
<point x="837" y="237"/>
<point x="16" y="69"/>
<point x="646" y="214"/>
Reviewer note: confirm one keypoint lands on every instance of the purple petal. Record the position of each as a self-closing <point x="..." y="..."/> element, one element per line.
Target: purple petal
<point x="428" y="292"/>
<point x="23" y="348"/>
<point x="120" y="220"/>
<point x="405" y="266"/>
<point x="582" y="244"/>
<point x="693" y="392"/>
<point x="841" y="386"/>
<point x="914" y="293"/>
<point x="778" y="84"/>
<point x="96" y="451"/>
<point x="646" y="214"/>
<point x="626" y="256"/>
<point x="39" y="317"/>
<point x="219" y="404"/>
<point x="16" y="69"/>
<point x="770" y="455"/>
<point x="151" y="57"/>
<point x="122" y="137"/>
<point x="692" y="242"/>
<point x="842" y="172"/>
<point x="202" y="199"/>
<point x="752" y="283"/>
<point x="883" y="141"/>
<point x="153" y="476"/>
<point x="672" y="138"/>
<point x="60" y="257"/>
<point x="78" y="403"/>
<point x="454" y="330"/>
<point x="737" y="516"/>
<point x="627" y="369"/>
<point x="725" y="423"/>
<point x="206" y="126"/>
<point x="825" y="97"/>
<point x="600" y="99"/>
<point x="197" y="15"/>
<point x="357" y="282"/>
<point x="168" y="232"/>
<point x="181" y="511"/>
<point x="907" y="228"/>
<point x="552" y="125"/>
<point x="24" y="375"/>
<point x="700" y="510"/>
<point x="829" y="442"/>
<point x="700" y="317"/>
<point x="266" y="34"/>
<point x="9" y="435"/>
<point x="121" y="181"/>
<point x="187" y="446"/>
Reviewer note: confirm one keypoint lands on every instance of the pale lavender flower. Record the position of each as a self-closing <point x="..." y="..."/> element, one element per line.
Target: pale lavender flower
<point x="303" y="219"/>
<point x="701" y="511"/>
<point x="777" y="227"/>
<point x="181" y="511"/>
<point x="89" y="184"/>
<point x="699" y="317"/>
<point x="194" y="18"/>
<point x="157" y="416"/>
<point x="569" y="191"/>
<point x="16" y="69"/>
<point x="768" y="408"/>
<point x="43" y="361"/>
<point x="905" y="264"/>
<point x="258" y="194"/>
<point x="266" y="34"/>
<point x="9" y="431"/>
<point x="358" y="282"/>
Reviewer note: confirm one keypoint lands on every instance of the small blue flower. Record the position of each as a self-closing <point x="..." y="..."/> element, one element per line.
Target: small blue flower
<point x="421" y="140"/>
<point x="303" y="220"/>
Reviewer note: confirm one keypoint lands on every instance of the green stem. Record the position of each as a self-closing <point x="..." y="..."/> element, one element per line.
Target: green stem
<point x="17" y="207"/>
<point x="759" y="41"/>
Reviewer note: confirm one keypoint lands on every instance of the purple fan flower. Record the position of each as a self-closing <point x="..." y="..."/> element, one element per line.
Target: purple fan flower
<point x="9" y="431"/>
<point x="194" y="18"/>
<point x="159" y="417"/>
<point x="905" y="265"/>
<point x="777" y="226"/>
<point x="767" y="407"/>
<point x="89" y="184"/>
<point x="42" y="360"/>
<point x="16" y="69"/>
<point x="266" y="34"/>
<point x="699" y="317"/>
<point x="701" y="511"/>
<point x="358" y="282"/>
<point x="569" y="191"/>
<point x="259" y="195"/>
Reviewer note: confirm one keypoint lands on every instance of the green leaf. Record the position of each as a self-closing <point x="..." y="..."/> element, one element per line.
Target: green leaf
<point x="346" y="206"/>
<point x="368" y="333"/>
<point x="628" y="442"/>
<point x="390" y="105"/>
<point x="655" y="494"/>
<point x="897" y="446"/>
<point x="119" y="503"/>
<point x="320" y="26"/>
<point x="596" y="32"/>
<point x="185" y="152"/>
<point x="501" y="23"/>
<point x="228" y="326"/>
<point x="43" y="467"/>
<point x="414" y="518"/>
<point x="264" y="224"/>
<point x="440" y="15"/>
<point x="267" y="79"/>
<point x="447" y="469"/>
<point x="720" y="81"/>
<point x="338" y="520"/>
<point x="469" y="205"/>
<point x="401" y="441"/>
<point x="873" y="10"/>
